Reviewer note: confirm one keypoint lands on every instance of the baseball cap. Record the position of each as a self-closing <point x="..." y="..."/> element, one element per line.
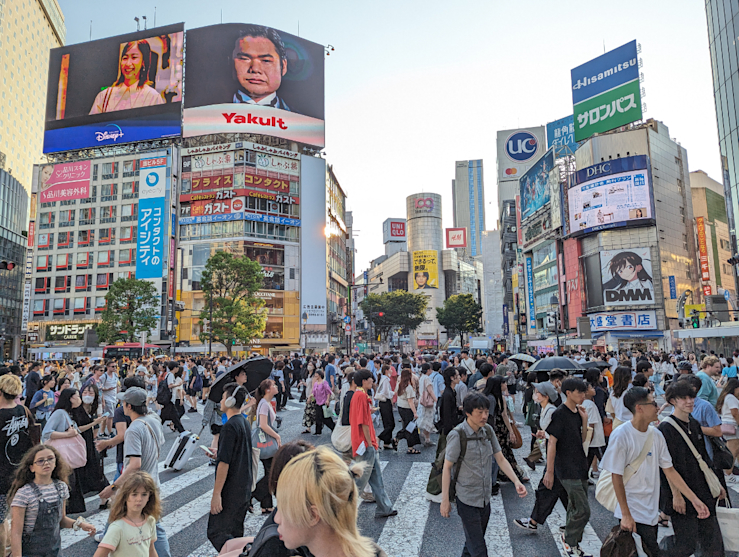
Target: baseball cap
<point x="135" y="396"/>
<point x="547" y="389"/>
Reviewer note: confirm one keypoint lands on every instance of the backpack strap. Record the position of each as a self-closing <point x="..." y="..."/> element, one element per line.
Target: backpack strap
<point x="462" y="451"/>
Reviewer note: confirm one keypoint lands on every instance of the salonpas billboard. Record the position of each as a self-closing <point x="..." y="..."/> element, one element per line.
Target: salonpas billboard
<point x="606" y="92"/>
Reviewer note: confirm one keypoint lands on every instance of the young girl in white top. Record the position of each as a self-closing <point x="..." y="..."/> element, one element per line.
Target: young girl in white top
<point x="132" y="530"/>
<point x="615" y="405"/>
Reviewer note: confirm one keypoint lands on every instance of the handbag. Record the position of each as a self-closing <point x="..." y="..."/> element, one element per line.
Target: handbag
<point x="426" y="400"/>
<point x="266" y="444"/>
<point x="723" y="458"/>
<point x="72" y="450"/>
<point x="341" y="438"/>
<point x="728" y="521"/>
<point x="604" y="492"/>
<point x="518" y="443"/>
<point x="713" y="482"/>
<point x="728" y="429"/>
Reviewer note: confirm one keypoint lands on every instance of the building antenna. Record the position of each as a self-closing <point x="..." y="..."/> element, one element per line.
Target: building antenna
<point x="298" y="28"/>
<point x="90" y="29"/>
<point x="155" y="16"/>
<point x="221" y="15"/>
<point x="604" y="46"/>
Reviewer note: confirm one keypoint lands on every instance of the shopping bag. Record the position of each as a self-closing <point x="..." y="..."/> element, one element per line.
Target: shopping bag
<point x="411" y="427"/>
<point x="728" y="521"/>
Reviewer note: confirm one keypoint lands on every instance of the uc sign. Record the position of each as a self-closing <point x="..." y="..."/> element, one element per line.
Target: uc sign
<point x="521" y="146"/>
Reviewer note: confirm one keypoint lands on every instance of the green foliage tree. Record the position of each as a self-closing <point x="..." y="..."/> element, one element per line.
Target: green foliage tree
<point x="131" y="308"/>
<point x="401" y="309"/>
<point x="460" y="315"/>
<point x="230" y="283"/>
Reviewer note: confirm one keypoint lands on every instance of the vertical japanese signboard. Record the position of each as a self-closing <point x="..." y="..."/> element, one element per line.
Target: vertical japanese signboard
<point x="530" y="296"/>
<point x="700" y="223"/>
<point x="152" y="223"/>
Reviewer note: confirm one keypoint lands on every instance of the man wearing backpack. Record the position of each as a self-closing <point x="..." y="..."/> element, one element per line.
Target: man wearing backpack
<point x="471" y="446"/>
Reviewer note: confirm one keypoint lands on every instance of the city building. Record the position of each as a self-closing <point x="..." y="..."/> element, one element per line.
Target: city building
<point x="496" y="314"/>
<point x="37" y="25"/>
<point x="712" y="234"/>
<point x="88" y="235"/>
<point x="468" y="202"/>
<point x="338" y="273"/>
<point x="725" y="68"/>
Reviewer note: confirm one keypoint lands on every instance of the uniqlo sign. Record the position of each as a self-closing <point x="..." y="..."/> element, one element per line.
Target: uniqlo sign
<point x="397" y="229"/>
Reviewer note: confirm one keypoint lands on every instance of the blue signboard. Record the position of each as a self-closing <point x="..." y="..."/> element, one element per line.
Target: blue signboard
<point x="152" y="222"/>
<point x="530" y="294"/>
<point x="205" y="219"/>
<point x="505" y="319"/>
<point x="605" y="72"/>
<point x="673" y="288"/>
<point x="561" y="133"/>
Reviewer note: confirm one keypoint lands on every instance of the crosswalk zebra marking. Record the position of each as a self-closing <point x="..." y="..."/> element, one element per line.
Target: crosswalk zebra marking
<point x="497" y="535"/>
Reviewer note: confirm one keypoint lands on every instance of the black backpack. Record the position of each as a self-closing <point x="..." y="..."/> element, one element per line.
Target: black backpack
<point x="164" y="395"/>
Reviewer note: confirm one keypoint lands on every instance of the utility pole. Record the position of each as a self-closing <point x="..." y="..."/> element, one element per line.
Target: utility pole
<point x="210" y="326"/>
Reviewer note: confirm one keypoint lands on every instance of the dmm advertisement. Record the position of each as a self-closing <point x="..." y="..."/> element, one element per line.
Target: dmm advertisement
<point x="606" y="92"/>
<point x="627" y="277"/>
<point x="152" y="223"/>
<point x="115" y="90"/>
<point x="425" y="269"/>
<point x="535" y="190"/>
<point x="611" y="194"/>
<point x="245" y="78"/>
<point x="61" y="182"/>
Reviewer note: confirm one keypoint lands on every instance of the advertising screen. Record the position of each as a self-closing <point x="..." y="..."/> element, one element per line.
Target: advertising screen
<point x="611" y="194"/>
<point x="115" y="90"/>
<point x="627" y="277"/>
<point x="244" y="78"/>
<point x="606" y="92"/>
<point x="535" y="189"/>
<point x="61" y="182"/>
<point x="425" y="269"/>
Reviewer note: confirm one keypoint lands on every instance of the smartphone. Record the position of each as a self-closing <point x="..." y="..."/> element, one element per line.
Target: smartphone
<point x="106" y="415"/>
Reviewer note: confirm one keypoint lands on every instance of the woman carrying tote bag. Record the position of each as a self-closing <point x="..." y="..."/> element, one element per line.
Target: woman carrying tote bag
<point x="62" y="433"/>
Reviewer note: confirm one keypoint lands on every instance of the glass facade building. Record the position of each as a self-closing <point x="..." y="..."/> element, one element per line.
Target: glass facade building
<point x="469" y="203"/>
<point x="723" y="30"/>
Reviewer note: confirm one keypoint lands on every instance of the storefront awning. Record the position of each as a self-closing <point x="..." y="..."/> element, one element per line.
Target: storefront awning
<point x="709" y="332"/>
<point x="631" y="334"/>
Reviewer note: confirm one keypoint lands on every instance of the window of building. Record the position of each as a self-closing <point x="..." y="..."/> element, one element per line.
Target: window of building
<point x="65" y="240"/>
<point x="129" y="211"/>
<point x="42" y="285"/>
<point x="128" y="234"/>
<point x="725" y="245"/>
<point x="110" y="170"/>
<point x="130" y="190"/>
<point x="107" y="214"/>
<point x="94" y="172"/>
<point x="44" y="241"/>
<point x="99" y="304"/>
<point x="61" y="306"/>
<point x="85" y="238"/>
<point x="126" y="257"/>
<point x="41" y="308"/>
<point x="103" y="281"/>
<point x="80" y="306"/>
<point x="87" y="215"/>
<point x="84" y="261"/>
<point x="66" y="217"/>
<point x="106" y="236"/>
<point x="62" y="283"/>
<point x="83" y="283"/>
<point x="63" y="262"/>
<point x="46" y="219"/>
<point x="108" y="192"/>
<point x="105" y="258"/>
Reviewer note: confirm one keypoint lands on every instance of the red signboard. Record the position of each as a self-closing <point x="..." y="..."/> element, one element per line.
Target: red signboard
<point x="397" y="229"/>
<point x="707" y="290"/>
<point x="61" y="182"/>
<point x="31" y="233"/>
<point x="229" y="194"/>
<point x="574" y="287"/>
<point x="703" y="249"/>
<point x="456" y="238"/>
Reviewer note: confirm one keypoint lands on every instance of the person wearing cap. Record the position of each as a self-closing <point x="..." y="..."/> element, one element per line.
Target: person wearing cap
<point x="546" y="498"/>
<point x="142" y="444"/>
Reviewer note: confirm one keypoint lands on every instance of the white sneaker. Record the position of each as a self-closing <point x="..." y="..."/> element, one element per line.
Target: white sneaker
<point x="730" y="479"/>
<point x="99" y="536"/>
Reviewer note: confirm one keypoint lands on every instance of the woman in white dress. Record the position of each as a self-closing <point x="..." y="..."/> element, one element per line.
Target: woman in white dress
<point x="133" y="88"/>
<point x="427" y="403"/>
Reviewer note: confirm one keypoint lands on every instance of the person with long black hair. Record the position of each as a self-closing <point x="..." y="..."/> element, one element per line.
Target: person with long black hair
<point x="502" y="425"/>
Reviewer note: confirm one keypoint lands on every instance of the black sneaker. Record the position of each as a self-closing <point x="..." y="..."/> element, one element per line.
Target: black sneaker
<point x="495" y="490"/>
<point x="526" y="524"/>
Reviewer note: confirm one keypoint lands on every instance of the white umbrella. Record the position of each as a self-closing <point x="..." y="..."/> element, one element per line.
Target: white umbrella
<point x="524" y="357"/>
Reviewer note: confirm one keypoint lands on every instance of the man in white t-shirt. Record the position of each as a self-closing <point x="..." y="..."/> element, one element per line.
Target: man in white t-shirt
<point x="638" y="500"/>
<point x="613" y="362"/>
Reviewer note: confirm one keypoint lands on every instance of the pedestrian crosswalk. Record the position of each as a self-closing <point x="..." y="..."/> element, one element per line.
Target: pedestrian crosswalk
<point x="417" y="530"/>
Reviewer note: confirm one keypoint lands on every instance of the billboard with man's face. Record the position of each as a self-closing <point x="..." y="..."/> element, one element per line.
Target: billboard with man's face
<point x="116" y="90"/>
<point x="245" y="78"/>
<point x="425" y="269"/>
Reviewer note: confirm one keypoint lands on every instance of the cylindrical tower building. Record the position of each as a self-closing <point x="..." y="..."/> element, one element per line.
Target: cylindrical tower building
<point x="425" y="242"/>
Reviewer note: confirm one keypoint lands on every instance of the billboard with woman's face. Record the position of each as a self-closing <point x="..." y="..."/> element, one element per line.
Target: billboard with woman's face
<point x="115" y="90"/>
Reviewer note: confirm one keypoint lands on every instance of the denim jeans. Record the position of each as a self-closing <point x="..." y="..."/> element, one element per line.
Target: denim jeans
<point x="373" y="476"/>
<point x="474" y="522"/>
<point x="118" y="470"/>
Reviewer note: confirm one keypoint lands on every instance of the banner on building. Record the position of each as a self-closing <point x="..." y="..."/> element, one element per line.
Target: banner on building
<point x="606" y="93"/>
<point x="561" y="134"/>
<point x="531" y="313"/>
<point x="425" y="269"/>
<point x="456" y="238"/>
<point x="26" y="305"/>
<point x="534" y="184"/>
<point x="627" y="277"/>
<point x="623" y="321"/>
<point x="61" y="182"/>
<point x="153" y="220"/>
<point x="700" y="224"/>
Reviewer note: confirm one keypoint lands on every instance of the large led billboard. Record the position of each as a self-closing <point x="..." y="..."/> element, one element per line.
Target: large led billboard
<point x="627" y="277"/>
<point x="611" y="194"/>
<point x="244" y="78"/>
<point x="115" y="90"/>
<point x="535" y="189"/>
<point x="606" y="92"/>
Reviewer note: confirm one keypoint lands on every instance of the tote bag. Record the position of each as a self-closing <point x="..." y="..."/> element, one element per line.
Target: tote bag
<point x="728" y="521"/>
<point x="604" y="492"/>
<point x="266" y="444"/>
<point x="72" y="449"/>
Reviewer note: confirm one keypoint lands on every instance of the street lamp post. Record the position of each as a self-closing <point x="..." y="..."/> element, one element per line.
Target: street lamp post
<point x="210" y="326"/>
<point x="555" y="302"/>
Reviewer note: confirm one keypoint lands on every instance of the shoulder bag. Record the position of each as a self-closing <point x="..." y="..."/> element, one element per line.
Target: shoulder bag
<point x="604" y="492"/>
<point x="34" y="428"/>
<point x="72" y="449"/>
<point x="723" y="458"/>
<point x="425" y="400"/>
<point x="266" y="444"/>
<point x="713" y="482"/>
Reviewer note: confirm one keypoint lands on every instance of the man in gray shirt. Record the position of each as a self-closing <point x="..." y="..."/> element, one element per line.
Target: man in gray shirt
<point x="503" y="365"/>
<point x="473" y="470"/>
<point x="142" y="444"/>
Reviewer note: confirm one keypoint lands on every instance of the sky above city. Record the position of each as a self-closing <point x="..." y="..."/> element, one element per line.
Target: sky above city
<point x="413" y="86"/>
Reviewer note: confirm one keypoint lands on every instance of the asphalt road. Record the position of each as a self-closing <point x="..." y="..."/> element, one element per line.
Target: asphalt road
<point x="418" y="529"/>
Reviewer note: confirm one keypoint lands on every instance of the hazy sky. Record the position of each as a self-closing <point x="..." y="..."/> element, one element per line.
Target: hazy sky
<point x="414" y="86"/>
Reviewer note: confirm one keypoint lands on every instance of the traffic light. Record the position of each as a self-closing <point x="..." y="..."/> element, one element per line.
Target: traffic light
<point x="695" y="320"/>
<point x="734" y="259"/>
<point x="381" y="314"/>
<point x="7" y="265"/>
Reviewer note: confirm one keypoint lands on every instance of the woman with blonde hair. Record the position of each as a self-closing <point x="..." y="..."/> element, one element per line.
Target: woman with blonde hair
<point x="317" y="506"/>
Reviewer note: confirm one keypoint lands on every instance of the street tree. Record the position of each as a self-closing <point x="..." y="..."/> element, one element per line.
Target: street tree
<point x="131" y="308"/>
<point x="232" y="311"/>
<point x="400" y="310"/>
<point x="460" y="315"/>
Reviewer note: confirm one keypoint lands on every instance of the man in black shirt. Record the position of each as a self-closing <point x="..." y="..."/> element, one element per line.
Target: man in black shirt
<point x="566" y="457"/>
<point x="232" y="490"/>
